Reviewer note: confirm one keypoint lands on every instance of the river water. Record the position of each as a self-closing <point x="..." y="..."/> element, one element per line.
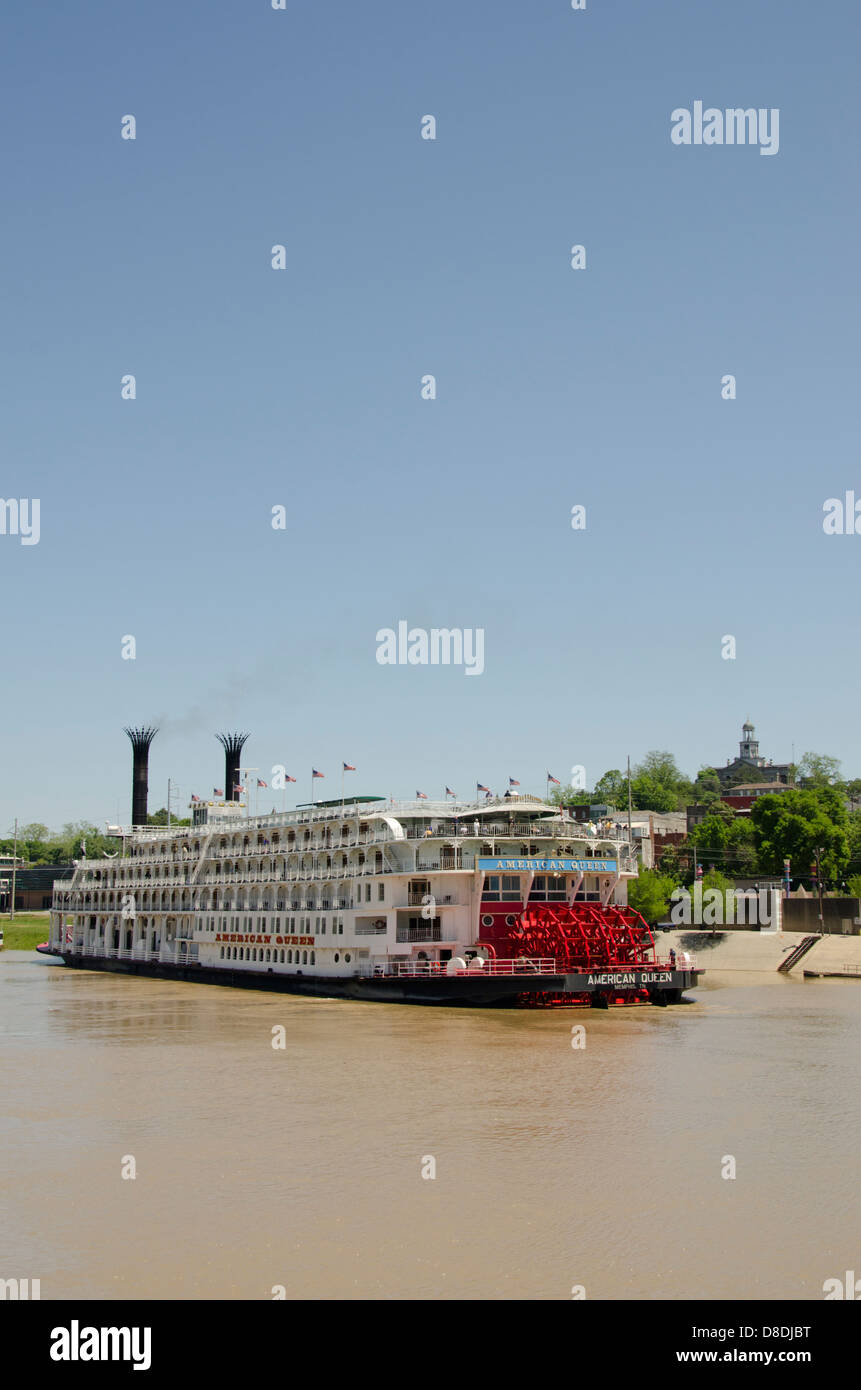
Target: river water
<point x="598" y="1166"/>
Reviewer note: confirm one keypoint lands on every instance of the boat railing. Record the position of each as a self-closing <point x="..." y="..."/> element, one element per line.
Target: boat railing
<point x="683" y="961"/>
<point x="521" y="966"/>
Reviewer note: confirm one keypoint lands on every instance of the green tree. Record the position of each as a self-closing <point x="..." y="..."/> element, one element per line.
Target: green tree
<point x="569" y="796"/>
<point x="816" y="770"/>
<point x="650" y="795"/>
<point x="852" y="790"/>
<point x="726" y="841"/>
<point x="649" y="894"/>
<point x="76" y="833"/>
<point x="36" y="833"/>
<point x="854" y="833"/>
<point x="662" y="766"/>
<point x="711" y="836"/>
<point x="674" y="863"/>
<point x="795" y="823"/>
<point x="706" y="790"/>
<point x="160" y="818"/>
<point x="715" y="912"/>
<point x="658" y="785"/>
<point x="715" y="879"/>
<point x="612" y="788"/>
<point x="30" y="843"/>
<point x="741" y="857"/>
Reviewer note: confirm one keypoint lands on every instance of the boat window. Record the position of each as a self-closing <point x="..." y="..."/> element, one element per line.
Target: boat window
<point x="491" y="888"/>
<point x="511" y="887"/>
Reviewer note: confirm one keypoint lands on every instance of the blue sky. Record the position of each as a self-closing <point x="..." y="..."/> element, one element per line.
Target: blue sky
<point x="555" y="387"/>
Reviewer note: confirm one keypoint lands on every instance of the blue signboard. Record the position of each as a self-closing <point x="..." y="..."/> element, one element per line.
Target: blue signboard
<point x="542" y="866"/>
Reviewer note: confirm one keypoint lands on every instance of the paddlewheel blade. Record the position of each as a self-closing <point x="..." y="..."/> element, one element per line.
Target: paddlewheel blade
<point x="582" y="936"/>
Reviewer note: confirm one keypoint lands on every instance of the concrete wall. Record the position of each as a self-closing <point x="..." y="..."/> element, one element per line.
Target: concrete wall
<point x="759" y="951"/>
<point x="839" y="915"/>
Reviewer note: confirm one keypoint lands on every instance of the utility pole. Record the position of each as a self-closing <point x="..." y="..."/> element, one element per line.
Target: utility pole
<point x="819" y="885"/>
<point x="14" y="872"/>
<point x="629" y="798"/>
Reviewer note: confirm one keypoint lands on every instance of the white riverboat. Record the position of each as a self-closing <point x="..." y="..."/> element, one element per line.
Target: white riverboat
<point x="505" y="901"/>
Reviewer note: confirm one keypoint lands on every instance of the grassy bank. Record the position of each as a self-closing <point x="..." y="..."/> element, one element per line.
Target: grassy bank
<point x="26" y="931"/>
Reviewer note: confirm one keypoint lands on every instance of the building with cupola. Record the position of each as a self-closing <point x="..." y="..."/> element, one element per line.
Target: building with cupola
<point x="750" y="766"/>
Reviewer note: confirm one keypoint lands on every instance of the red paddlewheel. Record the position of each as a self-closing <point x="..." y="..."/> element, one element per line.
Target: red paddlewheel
<point x="583" y="936"/>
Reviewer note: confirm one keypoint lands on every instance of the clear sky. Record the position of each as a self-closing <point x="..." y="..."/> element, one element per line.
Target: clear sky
<point x="555" y="387"/>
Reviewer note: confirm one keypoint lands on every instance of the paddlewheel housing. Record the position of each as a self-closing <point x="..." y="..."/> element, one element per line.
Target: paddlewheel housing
<point x="583" y="936"/>
<point x="580" y="937"/>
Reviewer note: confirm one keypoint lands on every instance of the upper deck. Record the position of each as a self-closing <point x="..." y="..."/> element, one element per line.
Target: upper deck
<point x="371" y="820"/>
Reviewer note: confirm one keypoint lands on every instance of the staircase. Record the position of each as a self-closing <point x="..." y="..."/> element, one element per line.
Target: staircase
<point x="796" y="954"/>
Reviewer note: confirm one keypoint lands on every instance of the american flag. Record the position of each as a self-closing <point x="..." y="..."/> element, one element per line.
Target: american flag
<point x="551" y="778"/>
<point x="218" y="791"/>
<point x="348" y="767"/>
<point x="449" y="792"/>
<point x="289" y="779"/>
<point x="512" y="783"/>
<point x="315" y="773"/>
<point x="480" y="788"/>
<point x="261" y="783"/>
<point x="194" y="798"/>
<point x="422" y="796"/>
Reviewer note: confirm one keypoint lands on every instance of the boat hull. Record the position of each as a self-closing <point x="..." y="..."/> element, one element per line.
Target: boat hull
<point x="598" y="988"/>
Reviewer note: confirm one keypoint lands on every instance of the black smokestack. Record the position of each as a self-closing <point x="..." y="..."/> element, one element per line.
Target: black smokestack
<point x="233" y="745"/>
<point x="140" y="741"/>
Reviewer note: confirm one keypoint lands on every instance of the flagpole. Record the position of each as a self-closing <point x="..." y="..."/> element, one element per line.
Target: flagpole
<point x="342" y="786"/>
